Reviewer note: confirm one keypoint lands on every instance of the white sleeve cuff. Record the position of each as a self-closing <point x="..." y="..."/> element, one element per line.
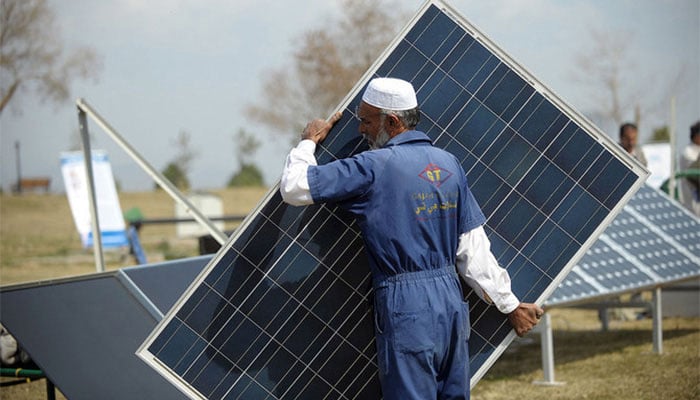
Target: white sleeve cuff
<point x="480" y="270"/>
<point x="307" y="146"/>
<point x="294" y="185"/>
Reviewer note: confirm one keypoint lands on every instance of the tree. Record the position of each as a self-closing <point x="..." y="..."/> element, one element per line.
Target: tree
<point x="248" y="173"/>
<point x="329" y="61"/>
<point x="176" y="171"/>
<point x="660" y="135"/>
<point x="601" y="69"/>
<point x="176" y="175"/>
<point x="32" y="57"/>
<point x="185" y="153"/>
<point x="246" y="146"/>
<point x="604" y="69"/>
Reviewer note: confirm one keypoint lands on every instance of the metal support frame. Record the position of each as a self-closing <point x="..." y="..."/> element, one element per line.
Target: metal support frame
<point x="547" y="342"/>
<point x="672" y="183"/>
<point x="94" y="217"/>
<point x="19" y="167"/>
<point x="85" y="109"/>
<point x="547" y="345"/>
<point x="604" y="306"/>
<point x="657" y="325"/>
<point x="604" y="318"/>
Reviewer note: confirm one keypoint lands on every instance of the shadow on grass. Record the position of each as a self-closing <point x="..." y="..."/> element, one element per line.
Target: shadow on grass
<point x="524" y="355"/>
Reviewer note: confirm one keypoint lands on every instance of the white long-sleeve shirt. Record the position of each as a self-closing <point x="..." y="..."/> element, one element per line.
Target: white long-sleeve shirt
<point x="475" y="262"/>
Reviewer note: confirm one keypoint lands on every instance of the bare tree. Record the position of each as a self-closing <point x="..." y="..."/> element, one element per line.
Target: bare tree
<point x="604" y="70"/>
<point x="246" y="146"/>
<point x="185" y="154"/>
<point x="248" y="173"/>
<point x="601" y="69"/>
<point x="329" y="61"/>
<point x="32" y="57"/>
<point x="176" y="171"/>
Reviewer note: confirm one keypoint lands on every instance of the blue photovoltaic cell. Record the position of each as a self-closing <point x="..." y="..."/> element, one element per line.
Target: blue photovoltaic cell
<point x="284" y="309"/>
<point x="653" y="241"/>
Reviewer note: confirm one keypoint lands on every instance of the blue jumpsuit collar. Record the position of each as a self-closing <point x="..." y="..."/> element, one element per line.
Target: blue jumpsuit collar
<point x="407" y="137"/>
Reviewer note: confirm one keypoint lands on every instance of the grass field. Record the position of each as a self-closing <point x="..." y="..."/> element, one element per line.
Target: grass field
<point x="38" y="241"/>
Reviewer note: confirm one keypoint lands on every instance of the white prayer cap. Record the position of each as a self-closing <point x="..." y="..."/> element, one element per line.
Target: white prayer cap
<point x="390" y="94"/>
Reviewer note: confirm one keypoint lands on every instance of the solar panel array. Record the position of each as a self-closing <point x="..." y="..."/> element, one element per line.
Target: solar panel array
<point x="284" y="309"/>
<point x="653" y="241"/>
<point x="82" y="331"/>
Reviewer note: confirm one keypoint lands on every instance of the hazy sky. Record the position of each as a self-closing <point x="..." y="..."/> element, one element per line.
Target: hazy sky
<point x="174" y="65"/>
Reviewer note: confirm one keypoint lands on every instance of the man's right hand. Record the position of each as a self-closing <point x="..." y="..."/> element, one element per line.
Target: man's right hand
<point x="318" y="129"/>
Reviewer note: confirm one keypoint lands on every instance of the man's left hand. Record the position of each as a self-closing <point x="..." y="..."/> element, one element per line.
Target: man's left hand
<point x="525" y="317"/>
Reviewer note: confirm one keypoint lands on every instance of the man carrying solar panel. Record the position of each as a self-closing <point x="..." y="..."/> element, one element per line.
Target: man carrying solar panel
<point x="421" y="227"/>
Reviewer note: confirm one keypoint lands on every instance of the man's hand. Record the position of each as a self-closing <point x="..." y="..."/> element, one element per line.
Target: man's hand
<point x="318" y="129"/>
<point x="525" y="317"/>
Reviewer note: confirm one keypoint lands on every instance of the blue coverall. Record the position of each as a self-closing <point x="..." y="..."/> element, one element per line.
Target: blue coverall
<point x="412" y="202"/>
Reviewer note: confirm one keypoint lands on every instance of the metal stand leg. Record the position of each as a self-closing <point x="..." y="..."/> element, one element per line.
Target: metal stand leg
<point x="50" y="390"/>
<point x="604" y="317"/>
<point x="657" y="327"/>
<point x="547" y="345"/>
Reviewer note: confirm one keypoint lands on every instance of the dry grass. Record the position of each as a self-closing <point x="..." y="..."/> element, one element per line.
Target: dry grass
<point x="38" y="241"/>
<point x="618" y="364"/>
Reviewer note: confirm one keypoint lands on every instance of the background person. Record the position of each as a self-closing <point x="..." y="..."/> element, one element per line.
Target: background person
<point x="628" y="141"/>
<point x="690" y="159"/>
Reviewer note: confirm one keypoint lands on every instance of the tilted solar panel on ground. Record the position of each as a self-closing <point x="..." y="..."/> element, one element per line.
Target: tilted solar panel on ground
<point x="283" y="311"/>
<point x="653" y="241"/>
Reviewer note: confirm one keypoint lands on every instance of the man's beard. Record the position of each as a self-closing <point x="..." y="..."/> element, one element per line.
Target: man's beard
<point x="382" y="138"/>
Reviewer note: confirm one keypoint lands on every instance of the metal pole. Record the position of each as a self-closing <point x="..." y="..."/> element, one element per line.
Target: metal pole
<point x="95" y="223"/>
<point x="604" y="316"/>
<point x="161" y="180"/>
<point x="50" y="390"/>
<point x="657" y="327"/>
<point x="19" y="168"/>
<point x="547" y="346"/>
<point x="672" y="143"/>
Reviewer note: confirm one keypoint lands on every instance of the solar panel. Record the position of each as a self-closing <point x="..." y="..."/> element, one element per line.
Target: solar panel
<point x="82" y="331"/>
<point x="653" y="241"/>
<point x="283" y="311"/>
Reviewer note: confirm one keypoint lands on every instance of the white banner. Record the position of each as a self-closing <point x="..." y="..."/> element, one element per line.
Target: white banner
<point x="658" y="157"/>
<point x="109" y="211"/>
